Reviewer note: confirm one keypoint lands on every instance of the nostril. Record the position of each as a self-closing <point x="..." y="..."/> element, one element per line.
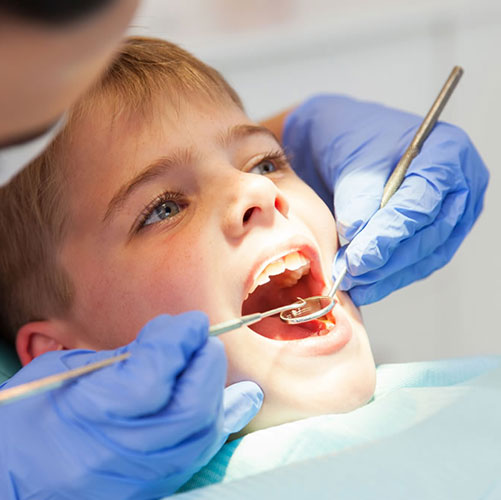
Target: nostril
<point x="247" y="214"/>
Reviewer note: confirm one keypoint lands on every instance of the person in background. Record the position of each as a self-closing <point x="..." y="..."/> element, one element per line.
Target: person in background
<point x="50" y="52"/>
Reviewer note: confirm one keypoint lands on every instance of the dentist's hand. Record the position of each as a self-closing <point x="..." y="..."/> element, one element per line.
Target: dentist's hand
<point x="137" y="429"/>
<point x="349" y="148"/>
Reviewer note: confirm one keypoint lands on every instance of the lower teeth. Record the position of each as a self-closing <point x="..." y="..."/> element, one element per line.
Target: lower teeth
<point x="328" y="326"/>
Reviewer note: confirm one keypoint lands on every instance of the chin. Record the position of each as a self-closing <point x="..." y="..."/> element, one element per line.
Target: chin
<point x="354" y="395"/>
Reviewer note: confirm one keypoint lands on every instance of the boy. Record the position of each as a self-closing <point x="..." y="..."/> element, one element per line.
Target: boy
<point x="184" y="203"/>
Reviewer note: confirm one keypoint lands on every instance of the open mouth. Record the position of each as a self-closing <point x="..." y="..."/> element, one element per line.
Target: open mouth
<point x="281" y="282"/>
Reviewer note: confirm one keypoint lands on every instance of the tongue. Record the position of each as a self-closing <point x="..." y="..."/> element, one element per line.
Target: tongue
<point x="274" y="328"/>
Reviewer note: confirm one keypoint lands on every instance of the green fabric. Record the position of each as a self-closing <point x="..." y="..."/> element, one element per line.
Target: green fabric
<point x="9" y="362"/>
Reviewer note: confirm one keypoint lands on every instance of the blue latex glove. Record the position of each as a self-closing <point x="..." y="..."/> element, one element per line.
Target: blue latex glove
<point x="138" y="429"/>
<point x="349" y="148"/>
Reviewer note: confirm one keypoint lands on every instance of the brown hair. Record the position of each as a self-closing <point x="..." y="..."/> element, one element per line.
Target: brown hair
<point x="33" y="285"/>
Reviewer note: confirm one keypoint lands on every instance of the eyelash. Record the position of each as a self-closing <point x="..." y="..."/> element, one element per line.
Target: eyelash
<point x="277" y="157"/>
<point x="159" y="200"/>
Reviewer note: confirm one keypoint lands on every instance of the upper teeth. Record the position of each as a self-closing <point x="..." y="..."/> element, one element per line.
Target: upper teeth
<point x="295" y="262"/>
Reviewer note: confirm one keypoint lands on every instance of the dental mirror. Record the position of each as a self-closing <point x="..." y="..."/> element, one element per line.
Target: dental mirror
<point x="313" y="308"/>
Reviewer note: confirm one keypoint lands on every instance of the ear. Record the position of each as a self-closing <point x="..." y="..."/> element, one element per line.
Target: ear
<point x="36" y="338"/>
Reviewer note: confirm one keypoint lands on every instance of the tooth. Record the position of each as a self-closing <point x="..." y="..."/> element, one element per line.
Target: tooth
<point x="303" y="259"/>
<point x="262" y="279"/>
<point x="276" y="267"/>
<point x="254" y="286"/>
<point x="288" y="270"/>
<point x="289" y="281"/>
<point x="295" y="274"/>
<point x="293" y="261"/>
<point x="304" y="269"/>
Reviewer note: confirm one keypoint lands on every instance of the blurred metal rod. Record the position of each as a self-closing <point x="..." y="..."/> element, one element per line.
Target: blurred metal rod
<point x="424" y="130"/>
<point x="53" y="381"/>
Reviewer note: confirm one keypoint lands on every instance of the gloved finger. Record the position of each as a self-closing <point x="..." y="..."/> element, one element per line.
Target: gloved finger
<point x="414" y="206"/>
<point x="423" y="243"/>
<point x="190" y="430"/>
<point x="358" y="194"/>
<point x="360" y="182"/>
<point x="194" y="410"/>
<point x="367" y="294"/>
<point x="143" y="383"/>
<point x="198" y="395"/>
<point x="242" y="401"/>
<point x="432" y="175"/>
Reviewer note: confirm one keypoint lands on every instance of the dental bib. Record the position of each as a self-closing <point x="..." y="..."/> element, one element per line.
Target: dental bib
<point x="408" y="397"/>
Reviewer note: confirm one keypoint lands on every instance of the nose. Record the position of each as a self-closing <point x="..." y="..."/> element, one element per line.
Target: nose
<point x="254" y="201"/>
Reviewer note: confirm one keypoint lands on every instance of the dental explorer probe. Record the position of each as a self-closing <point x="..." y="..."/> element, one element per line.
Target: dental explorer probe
<point x="54" y="381"/>
<point x="57" y="380"/>
<point x="316" y="307"/>
<point x="249" y="319"/>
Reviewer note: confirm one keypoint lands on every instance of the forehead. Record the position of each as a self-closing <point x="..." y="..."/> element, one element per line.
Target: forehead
<point x="107" y="130"/>
<point x="107" y="145"/>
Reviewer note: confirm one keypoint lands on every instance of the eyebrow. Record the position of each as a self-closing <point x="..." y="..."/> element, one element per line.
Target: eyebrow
<point x="176" y="159"/>
<point x="242" y="131"/>
<point x="154" y="170"/>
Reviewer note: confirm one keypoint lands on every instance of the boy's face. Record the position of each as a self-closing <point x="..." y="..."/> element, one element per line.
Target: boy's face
<point x="184" y="212"/>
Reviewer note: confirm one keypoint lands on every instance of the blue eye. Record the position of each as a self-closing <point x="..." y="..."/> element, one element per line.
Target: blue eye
<point x="164" y="210"/>
<point x="264" y="167"/>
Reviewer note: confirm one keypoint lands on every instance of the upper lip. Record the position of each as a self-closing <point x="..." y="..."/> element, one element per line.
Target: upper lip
<point x="281" y="249"/>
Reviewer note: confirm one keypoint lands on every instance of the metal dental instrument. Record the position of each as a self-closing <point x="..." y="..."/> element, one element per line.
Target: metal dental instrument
<point x="233" y="324"/>
<point x="318" y="306"/>
<point x="53" y="381"/>
<point x="313" y="308"/>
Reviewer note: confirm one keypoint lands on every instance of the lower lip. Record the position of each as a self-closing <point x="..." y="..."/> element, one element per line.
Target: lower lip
<point x="331" y="342"/>
<point x="320" y="345"/>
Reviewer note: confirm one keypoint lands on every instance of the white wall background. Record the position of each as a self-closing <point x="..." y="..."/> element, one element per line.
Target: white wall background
<point x="399" y="52"/>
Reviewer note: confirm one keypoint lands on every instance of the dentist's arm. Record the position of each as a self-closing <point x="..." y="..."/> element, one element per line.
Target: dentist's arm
<point x="348" y="149"/>
<point x="138" y="429"/>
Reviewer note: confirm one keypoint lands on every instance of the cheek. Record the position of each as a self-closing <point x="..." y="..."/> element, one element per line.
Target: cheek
<point x="173" y="277"/>
<point x="178" y="272"/>
<point x="315" y="214"/>
<point x="119" y="292"/>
